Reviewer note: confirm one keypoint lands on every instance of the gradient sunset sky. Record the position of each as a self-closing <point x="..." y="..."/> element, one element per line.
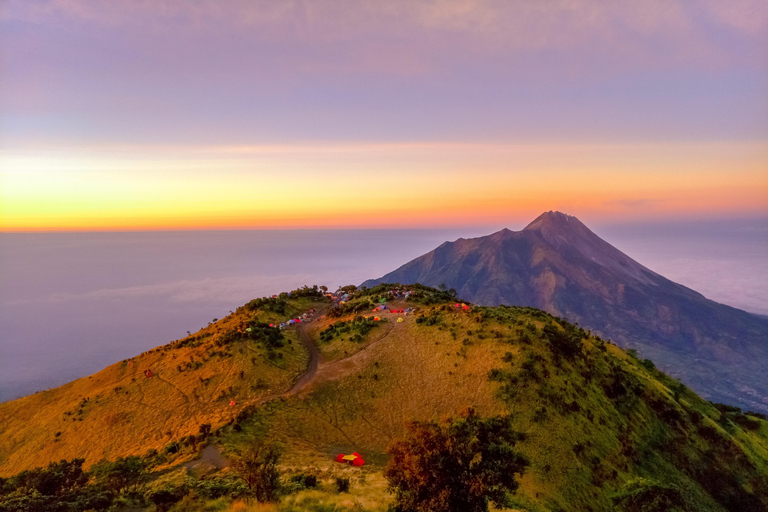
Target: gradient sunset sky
<point x="329" y="113"/>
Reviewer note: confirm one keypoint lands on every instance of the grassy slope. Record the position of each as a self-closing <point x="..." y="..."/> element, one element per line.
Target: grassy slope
<point x="594" y="421"/>
<point x="118" y="411"/>
<point x="583" y="444"/>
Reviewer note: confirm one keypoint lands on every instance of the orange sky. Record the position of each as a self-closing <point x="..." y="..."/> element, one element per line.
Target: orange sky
<point x="370" y="185"/>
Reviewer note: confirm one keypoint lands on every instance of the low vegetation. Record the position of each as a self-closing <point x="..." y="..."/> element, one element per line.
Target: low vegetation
<point x="558" y="420"/>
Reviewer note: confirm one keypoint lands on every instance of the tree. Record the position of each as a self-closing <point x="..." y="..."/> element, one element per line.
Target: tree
<point x="257" y="464"/>
<point x="124" y="473"/>
<point x="455" y="467"/>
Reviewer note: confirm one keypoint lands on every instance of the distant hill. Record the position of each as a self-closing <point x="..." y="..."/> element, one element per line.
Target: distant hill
<point x="604" y="430"/>
<point x="558" y="265"/>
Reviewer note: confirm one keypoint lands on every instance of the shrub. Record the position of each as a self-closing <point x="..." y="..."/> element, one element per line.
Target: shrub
<point x="257" y="465"/>
<point x="641" y="495"/>
<point x="342" y="484"/>
<point x="165" y="497"/>
<point x="304" y="481"/>
<point x="458" y="465"/>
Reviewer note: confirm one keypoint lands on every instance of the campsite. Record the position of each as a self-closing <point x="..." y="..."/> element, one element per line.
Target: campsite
<point x="330" y="394"/>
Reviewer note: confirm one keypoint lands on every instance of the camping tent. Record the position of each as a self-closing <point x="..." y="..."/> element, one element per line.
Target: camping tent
<point x="353" y="459"/>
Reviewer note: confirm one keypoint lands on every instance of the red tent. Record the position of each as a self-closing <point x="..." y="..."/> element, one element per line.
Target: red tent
<point x="353" y="459"/>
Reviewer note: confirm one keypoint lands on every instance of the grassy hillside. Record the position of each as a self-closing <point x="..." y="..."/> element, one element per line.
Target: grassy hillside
<point x="596" y="417"/>
<point x="120" y="411"/>
<point x="604" y="430"/>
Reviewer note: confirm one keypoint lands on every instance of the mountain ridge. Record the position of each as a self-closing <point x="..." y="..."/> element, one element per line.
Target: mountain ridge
<point x="560" y="266"/>
<point x="600" y="424"/>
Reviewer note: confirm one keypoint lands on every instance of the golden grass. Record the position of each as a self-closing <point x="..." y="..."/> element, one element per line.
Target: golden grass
<point x="119" y="411"/>
<point x="361" y="400"/>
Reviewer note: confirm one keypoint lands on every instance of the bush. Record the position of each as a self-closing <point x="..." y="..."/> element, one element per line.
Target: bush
<point x="304" y="481"/>
<point x="167" y="496"/>
<point x="257" y="465"/>
<point x="641" y="495"/>
<point x="459" y="465"/>
<point x="566" y="342"/>
<point x="122" y="474"/>
<point x="342" y="484"/>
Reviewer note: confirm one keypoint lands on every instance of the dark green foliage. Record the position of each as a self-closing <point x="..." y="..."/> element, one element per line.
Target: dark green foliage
<point x="165" y="497"/>
<point x="356" y="329"/>
<point x="121" y="474"/>
<point x="63" y="487"/>
<point x="745" y="422"/>
<point x="270" y="304"/>
<point x="496" y="375"/>
<point x="460" y="465"/>
<point x="342" y="484"/>
<point x="60" y="486"/>
<point x="303" y="481"/>
<point x="212" y="488"/>
<point x="420" y="294"/>
<point x="261" y="332"/>
<point x="566" y="342"/>
<point x="621" y="387"/>
<point x="351" y="307"/>
<point x="311" y="292"/>
<point x="431" y="318"/>
<point x="641" y="495"/>
<point x="257" y="465"/>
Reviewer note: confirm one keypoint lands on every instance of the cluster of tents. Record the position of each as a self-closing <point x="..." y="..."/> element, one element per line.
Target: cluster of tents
<point x="306" y="317"/>
<point x="397" y="293"/>
<point x="463" y="306"/>
<point x="338" y="299"/>
<point x="383" y="307"/>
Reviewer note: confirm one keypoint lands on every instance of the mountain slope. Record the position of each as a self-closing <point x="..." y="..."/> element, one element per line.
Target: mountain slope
<point x="597" y="421"/>
<point x="122" y="410"/>
<point x="557" y="264"/>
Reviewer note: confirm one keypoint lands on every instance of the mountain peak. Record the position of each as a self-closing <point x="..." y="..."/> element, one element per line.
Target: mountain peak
<point x="553" y="220"/>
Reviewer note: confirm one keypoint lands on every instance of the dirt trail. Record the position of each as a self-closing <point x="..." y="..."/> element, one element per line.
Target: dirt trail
<point x="314" y="359"/>
<point x="327" y="371"/>
<point x="316" y="367"/>
<point x="308" y="376"/>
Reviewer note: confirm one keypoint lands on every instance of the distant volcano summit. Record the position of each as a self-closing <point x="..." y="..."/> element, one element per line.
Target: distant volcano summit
<point x="557" y="264"/>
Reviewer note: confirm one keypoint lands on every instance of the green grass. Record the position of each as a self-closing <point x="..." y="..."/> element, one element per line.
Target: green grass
<point x="595" y="417"/>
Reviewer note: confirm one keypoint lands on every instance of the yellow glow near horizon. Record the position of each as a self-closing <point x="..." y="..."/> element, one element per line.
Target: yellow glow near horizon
<point x="373" y="185"/>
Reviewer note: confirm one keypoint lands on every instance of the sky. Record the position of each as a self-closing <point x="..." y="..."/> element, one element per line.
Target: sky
<point x="141" y="115"/>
